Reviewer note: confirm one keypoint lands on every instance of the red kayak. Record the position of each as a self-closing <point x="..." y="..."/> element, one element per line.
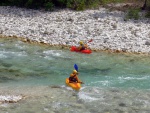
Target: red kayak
<point x="75" y="49"/>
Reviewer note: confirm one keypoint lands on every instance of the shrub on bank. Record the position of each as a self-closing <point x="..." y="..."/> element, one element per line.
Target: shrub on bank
<point x="49" y="4"/>
<point x="147" y="14"/>
<point x="72" y="4"/>
<point x="132" y="14"/>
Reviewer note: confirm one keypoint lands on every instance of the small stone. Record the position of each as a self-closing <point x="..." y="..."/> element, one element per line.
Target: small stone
<point x="122" y="104"/>
<point x="147" y="43"/>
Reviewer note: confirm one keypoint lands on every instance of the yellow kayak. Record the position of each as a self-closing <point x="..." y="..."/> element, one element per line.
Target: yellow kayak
<point x="75" y="86"/>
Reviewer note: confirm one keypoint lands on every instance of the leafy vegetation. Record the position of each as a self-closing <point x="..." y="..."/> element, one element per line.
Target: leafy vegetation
<point x="147" y="14"/>
<point x="103" y="2"/>
<point x="72" y="4"/>
<point x="49" y="4"/>
<point x="132" y="14"/>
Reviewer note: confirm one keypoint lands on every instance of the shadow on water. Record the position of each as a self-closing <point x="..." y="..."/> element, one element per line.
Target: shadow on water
<point x="104" y="71"/>
<point x="10" y="75"/>
<point x="6" y="79"/>
<point x="9" y="70"/>
<point x="5" y="64"/>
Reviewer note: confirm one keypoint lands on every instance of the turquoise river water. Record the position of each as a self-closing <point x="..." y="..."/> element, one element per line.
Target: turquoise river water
<point x="113" y="83"/>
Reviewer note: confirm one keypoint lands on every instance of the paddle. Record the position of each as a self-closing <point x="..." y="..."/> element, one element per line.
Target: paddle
<point x="76" y="67"/>
<point x="90" y="40"/>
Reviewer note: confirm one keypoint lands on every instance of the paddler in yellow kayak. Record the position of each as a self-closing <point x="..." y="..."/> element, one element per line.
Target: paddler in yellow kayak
<point x="73" y="81"/>
<point x="74" y="77"/>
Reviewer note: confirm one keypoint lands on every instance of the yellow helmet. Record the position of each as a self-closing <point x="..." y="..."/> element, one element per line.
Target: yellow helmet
<point x="75" y="72"/>
<point x="81" y="42"/>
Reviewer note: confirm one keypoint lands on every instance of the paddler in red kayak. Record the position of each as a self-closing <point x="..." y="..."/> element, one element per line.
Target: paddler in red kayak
<point x="82" y="46"/>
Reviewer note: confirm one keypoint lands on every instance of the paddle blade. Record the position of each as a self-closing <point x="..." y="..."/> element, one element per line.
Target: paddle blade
<point x="90" y="40"/>
<point x="76" y="67"/>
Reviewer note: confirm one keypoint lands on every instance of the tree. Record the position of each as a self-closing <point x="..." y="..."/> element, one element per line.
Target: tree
<point x="144" y="6"/>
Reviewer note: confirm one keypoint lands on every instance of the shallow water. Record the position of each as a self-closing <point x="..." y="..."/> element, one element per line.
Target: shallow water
<point x="115" y="83"/>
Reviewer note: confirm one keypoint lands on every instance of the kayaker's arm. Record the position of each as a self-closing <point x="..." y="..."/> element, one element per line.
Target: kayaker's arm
<point x="81" y="82"/>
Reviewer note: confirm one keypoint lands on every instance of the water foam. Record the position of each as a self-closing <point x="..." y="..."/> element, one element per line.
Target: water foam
<point x="53" y="52"/>
<point x="134" y="78"/>
<point x="3" y="56"/>
<point x="84" y="96"/>
<point x="9" y="53"/>
<point x="90" y="94"/>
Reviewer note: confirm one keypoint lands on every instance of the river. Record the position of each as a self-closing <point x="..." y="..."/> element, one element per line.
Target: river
<point x="113" y="83"/>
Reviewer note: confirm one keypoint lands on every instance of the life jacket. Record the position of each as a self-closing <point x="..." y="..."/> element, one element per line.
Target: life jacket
<point x="73" y="79"/>
<point x="82" y="47"/>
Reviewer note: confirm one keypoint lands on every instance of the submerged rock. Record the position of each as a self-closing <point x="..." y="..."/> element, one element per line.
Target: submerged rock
<point x="10" y="98"/>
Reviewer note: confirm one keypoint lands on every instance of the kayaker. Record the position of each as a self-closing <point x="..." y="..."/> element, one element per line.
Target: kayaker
<point x="74" y="77"/>
<point x="82" y="46"/>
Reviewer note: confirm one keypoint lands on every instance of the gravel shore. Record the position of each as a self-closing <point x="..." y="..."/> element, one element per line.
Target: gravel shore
<point x="107" y="28"/>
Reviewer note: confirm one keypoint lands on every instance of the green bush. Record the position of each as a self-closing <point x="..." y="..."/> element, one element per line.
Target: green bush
<point x="92" y="3"/>
<point x="49" y="6"/>
<point x="60" y="3"/>
<point x="76" y="4"/>
<point x="82" y="4"/>
<point x="132" y="14"/>
<point x="14" y="2"/>
<point x="73" y="4"/>
<point x="103" y="2"/>
<point x="29" y="3"/>
<point x="147" y="14"/>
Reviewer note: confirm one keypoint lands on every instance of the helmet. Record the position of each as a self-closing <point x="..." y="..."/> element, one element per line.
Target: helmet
<point x="75" y="72"/>
<point x="81" y="42"/>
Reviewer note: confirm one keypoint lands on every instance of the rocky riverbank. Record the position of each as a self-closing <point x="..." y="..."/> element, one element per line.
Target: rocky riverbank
<point x="107" y="28"/>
